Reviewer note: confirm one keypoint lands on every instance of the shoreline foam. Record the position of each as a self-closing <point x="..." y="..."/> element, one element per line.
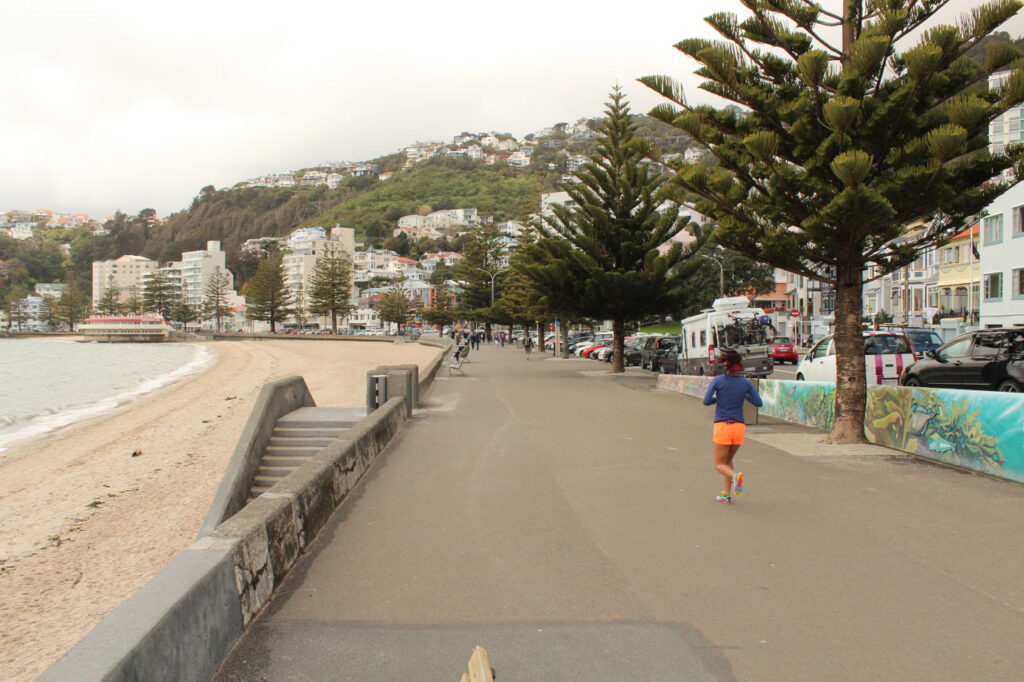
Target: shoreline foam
<point x="39" y="426"/>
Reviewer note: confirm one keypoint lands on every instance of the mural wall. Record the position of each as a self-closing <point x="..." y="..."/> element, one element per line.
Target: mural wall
<point x="979" y="430"/>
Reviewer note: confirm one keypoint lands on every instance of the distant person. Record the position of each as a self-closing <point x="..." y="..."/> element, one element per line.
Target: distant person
<point x="727" y="393"/>
<point x="528" y="346"/>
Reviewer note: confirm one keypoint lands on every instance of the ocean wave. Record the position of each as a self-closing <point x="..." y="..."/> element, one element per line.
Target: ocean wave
<point x="19" y="428"/>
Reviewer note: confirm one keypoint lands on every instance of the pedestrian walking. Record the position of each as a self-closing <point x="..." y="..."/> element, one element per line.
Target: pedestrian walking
<point x="727" y="392"/>
<point x="528" y="345"/>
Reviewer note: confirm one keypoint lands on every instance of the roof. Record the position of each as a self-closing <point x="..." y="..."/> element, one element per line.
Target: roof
<point x="967" y="233"/>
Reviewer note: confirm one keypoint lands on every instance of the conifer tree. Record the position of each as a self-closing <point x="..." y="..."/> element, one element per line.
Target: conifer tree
<point x="600" y="260"/>
<point x="330" y="289"/>
<point x="395" y="305"/>
<point x="109" y="302"/>
<point x="159" y="293"/>
<point x="266" y="296"/>
<point x="837" y="145"/>
<point x="183" y="311"/>
<point x="215" y="298"/>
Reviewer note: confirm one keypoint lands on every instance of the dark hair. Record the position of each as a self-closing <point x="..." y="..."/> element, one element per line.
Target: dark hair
<point x="731" y="359"/>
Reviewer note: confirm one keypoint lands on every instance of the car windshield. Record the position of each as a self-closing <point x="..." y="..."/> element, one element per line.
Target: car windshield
<point x="885" y="344"/>
<point x="782" y="339"/>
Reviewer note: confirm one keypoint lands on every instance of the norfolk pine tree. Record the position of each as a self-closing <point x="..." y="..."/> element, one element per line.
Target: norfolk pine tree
<point x="601" y="260"/>
<point x="266" y="296"/>
<point x="109" y="302"/>
<point x="330" y="289"/>
<point x="159" y="294"/>
<point x="840" y="146"/>
<point x="395" y="305"/>
<point x="215" y="298"/>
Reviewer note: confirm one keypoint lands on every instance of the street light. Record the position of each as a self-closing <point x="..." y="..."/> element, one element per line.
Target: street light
<point x="492" y="276"/>
<point x="721" y="272"/>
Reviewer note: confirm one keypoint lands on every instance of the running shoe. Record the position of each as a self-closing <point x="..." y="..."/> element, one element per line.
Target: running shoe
<point x="737" y="483"/>
<point x="724" y="498"/>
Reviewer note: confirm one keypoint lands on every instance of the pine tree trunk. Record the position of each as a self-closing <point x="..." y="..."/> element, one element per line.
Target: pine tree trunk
<point x="618" y="344"/>
<point x="851" y="391"/>
<point x="565" y="341"/>
<point x="540" y="338"/>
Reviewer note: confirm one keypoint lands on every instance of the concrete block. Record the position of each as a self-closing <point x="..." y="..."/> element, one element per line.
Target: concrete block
<point x="400" y="384"/>
<point x="179" y="626"/>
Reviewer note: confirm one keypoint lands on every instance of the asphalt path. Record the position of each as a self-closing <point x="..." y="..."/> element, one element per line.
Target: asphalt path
<point x="564" y="519"/>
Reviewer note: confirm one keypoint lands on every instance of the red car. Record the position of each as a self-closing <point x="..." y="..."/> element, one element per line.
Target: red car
<point x="782" y="350"/>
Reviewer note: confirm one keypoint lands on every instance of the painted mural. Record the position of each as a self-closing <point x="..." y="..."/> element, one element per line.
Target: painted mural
<point x="978" y="430"/>
<point x="805" y="402"/>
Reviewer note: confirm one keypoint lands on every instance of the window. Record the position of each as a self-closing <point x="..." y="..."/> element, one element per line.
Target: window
<point x="1018" y="221"/>
<point x="703" y="338"/>
<point x="993" y="231"/>
<point x="956" y="349"/>
<point x="988" y="345"/>
<point x="933" y="297"/>
<point x="1017" y="284"/>
<point x="994" y="286"/>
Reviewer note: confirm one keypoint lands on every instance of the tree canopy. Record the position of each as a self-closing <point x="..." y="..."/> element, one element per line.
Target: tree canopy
<point x="837" y="145"/>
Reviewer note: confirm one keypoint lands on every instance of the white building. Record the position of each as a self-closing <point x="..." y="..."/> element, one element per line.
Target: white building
<point x="444" y="219"/>
<point x="126" y="273"/>
<point x="574" y="163"/>
<point x="555" y="199"/>
<point x="1001" y="248"/>
<point x="22" y="230"/>
<point x="304" y="248"/>
<point x="518" y="159"/>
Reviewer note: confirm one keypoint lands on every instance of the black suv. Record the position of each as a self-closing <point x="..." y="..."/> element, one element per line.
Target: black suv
<point x="654" y="349"/>
<point x="987" y="360"/>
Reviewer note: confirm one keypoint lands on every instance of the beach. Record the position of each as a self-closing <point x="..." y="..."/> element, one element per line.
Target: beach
<point x="92" y="511"/>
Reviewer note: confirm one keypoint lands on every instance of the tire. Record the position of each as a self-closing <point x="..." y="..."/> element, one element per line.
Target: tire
<point x="912" y="382"/>
<point x="769" y="332"/>
<point x="800" y="377"/>
<point x="1010" y="386"/>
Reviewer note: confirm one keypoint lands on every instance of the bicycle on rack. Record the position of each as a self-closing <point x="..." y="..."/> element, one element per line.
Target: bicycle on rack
<point x="749" y="331"/>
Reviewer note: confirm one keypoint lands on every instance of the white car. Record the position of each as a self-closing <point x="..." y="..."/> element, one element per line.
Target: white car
<point x="885" y="356"/>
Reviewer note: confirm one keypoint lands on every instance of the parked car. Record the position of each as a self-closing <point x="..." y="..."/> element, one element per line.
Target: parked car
<point x="601" y="343"/>
<point x="632" y="350"/>
<point x="987" y="360"/>
<point x="655" y="347"/>
<point x="782" y="350"/>
<point x="886" y="354"/>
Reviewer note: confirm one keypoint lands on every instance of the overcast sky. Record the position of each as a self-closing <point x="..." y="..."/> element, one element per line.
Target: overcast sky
<point x="128" y="105"/>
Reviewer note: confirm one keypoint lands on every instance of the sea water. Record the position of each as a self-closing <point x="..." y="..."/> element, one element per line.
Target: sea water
<point x="46" y="383"/>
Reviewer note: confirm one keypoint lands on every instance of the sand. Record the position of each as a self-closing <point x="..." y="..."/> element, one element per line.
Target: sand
<point x="91" y="512"/>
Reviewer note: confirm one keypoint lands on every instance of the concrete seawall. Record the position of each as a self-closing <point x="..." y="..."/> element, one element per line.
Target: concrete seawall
<point x="183" y="622"/>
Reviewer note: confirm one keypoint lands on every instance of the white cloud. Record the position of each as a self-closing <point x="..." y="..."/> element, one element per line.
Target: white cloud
<point x="116" y="104"/>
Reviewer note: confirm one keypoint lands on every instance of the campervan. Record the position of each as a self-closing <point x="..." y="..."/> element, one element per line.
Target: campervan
<point x="729" y="323"/>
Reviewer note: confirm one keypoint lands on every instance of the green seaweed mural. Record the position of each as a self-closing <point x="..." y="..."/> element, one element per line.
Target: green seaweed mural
<point x="939" y="426"/>
<point x="809" y="403"/>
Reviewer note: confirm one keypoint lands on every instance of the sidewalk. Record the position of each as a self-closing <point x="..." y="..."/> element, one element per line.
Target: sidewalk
<point x="564" y="519"/>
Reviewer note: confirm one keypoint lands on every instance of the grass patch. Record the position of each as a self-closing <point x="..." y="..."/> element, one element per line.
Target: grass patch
<point x="667" y="328"/>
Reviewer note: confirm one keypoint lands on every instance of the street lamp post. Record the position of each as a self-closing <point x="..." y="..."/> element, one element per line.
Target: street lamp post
<point x="721" y="273"/>
<point x="492" y="276"/>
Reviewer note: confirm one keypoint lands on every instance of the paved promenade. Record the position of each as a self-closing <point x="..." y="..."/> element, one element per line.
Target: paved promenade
<point x="564" y="519"/>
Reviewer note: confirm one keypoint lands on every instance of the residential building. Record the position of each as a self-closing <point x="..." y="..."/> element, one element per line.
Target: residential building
<point x="959" y="272"/>
<point x="555" y="199"/>
<point x="198" y="267"/>
<point x="444" y="219"/>
<point x="1002" y="261"/>
<point x="574" y="163"/>
<point x="125" y="274"/>
<point x="304" y="248"/>
<point x="22" y="230"/>
<point x="909" y="295"/>
<point x="518" y="159"/>
<point x="50" y="290"/>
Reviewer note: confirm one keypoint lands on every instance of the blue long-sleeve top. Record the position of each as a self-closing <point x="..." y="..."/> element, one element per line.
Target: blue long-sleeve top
<point x="727" y="392"/>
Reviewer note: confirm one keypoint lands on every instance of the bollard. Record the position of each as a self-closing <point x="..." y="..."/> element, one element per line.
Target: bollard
<point x="376" y="390"/>
<point x="400" y="384"/>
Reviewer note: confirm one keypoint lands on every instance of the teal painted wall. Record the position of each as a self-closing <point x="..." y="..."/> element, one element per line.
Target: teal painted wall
<point x="977" y="430"/>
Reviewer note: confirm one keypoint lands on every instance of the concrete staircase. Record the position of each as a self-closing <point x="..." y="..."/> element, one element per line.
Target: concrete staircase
<point x="298" y="436"/>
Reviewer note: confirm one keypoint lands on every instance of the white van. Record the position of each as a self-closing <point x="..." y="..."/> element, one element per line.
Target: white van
<point x="720" y="327"/>
<point x="885" y="356"/>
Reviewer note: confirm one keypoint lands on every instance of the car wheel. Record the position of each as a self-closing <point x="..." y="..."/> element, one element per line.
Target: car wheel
<point x="913" y="382"/>
<point x="800" y="377"/>
<point x="1009" y="386"/>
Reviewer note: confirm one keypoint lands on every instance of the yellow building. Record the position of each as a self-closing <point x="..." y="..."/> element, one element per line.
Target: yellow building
<point x="960" y="272"/>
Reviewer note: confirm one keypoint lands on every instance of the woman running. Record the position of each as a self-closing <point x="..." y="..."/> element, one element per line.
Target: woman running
<point x="727" y="392"/>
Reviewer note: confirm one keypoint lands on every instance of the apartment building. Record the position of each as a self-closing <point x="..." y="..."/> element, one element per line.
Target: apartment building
<point x="1001" y="247"/>
<point x="304" y="248"/>
<point x="125" y="274"/>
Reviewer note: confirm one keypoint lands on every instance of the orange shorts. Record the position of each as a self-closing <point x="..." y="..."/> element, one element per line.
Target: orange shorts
<point x="729" y="434"/>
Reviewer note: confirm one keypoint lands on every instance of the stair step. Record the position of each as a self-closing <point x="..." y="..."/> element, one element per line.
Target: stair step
<point x="258" y="490"/>
<point x="291" y="461"/>
<point x="297" y="432"/>
<point x="274" y="472"/>
<point x="275" y="441"/>
<point x="265" y="481"/>
<point x="274" y="451"/>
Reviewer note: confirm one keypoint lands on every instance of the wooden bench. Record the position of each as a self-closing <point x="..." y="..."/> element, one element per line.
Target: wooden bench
<point x="459" y="358"/>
